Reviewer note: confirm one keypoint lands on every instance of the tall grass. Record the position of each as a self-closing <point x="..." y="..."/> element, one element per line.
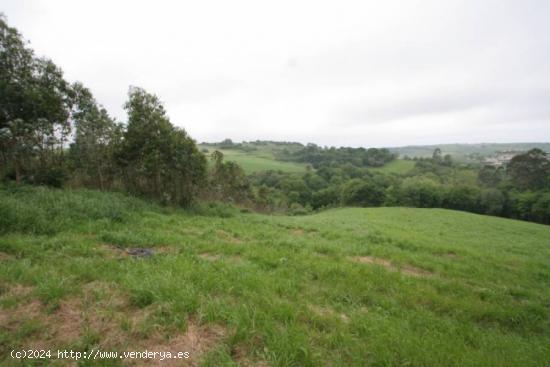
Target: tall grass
<point x="41" y="210"/>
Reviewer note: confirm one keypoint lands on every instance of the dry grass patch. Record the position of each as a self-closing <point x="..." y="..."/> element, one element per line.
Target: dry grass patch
<point x="233" y="259"/>
<point x="196" y="340"/>
<point x="102" y="310"/>
<point x="5" y="257"/>
<point x="190" y="231"/>
<point x="242" y="355"/>
<point x="228" y="237"/>
<point x="118" y="252"/>
<point x="11" y="319"/>
<point x="209" y="257"/>
<point x="302" y="231"/>
<point x="451" y="255"/>
<point x="405" y="269"/>
<point x="69" y="321"/>
<point x="328" y="312"/>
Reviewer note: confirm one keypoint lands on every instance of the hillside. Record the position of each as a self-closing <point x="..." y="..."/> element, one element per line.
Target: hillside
<point x="262" y="156"/>
<point x="262" y="159"/>
<point x="462" y="151"/>
<point x="345" y="287"/>
<point x="398" y="166"/>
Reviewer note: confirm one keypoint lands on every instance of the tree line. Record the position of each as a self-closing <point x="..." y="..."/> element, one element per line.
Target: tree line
<point x="55" y="133"/>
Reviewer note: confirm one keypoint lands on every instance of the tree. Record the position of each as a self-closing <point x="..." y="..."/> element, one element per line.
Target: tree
<point x="530" y="171"/>
<point x="437" y="156"/>
<point x="489" y="176"/>
<point x="226" y="144"/>
<point x="97" y="137"/>
<point x="35" y="102"/>
<point x="420" y="192"/>
<point x="158" y="159"/>
<point x="492" y="201"/>
<point x="462" y="198"/>
<point x="541" y="208"/>
<point x="362" y="193"/>
<point x="447" y="160"/>
<point x="326" y="197"/>
<point x="228" y="180"/>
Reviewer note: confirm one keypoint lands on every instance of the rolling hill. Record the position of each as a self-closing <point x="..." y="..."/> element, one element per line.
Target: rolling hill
<point x="258" y="160"/>
<point x="462" y="151"/>
<point x="85" y="270"/>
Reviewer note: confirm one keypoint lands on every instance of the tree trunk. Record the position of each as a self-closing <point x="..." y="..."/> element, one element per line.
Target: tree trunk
<point x="17" y="171"/>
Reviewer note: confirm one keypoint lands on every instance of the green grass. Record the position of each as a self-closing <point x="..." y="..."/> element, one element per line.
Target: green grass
<point x="284" y="291"/>
<point x="398" y="166"/>
<point x="260" y="160"/>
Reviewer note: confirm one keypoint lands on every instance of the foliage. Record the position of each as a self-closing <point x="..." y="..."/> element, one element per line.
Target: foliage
<point x="35" y="103"/>
<point x="228" y="181"/>
<point x="148" y="157"/>
<point x="97" y="139"/>
<point x="360" y="157"/>
<point x="530" y="171"/>
<point x="158" y="159"/>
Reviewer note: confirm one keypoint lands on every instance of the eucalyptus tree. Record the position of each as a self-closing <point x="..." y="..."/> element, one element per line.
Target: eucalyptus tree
<point x="35" y="102"/>
<point x="97" y="137"/>
<point x="157" y="158"/>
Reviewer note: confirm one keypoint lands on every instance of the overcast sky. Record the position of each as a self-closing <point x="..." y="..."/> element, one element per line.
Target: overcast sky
<point x="353" y="73"/>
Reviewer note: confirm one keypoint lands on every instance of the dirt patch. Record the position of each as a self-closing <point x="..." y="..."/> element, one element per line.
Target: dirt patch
<point x="12" y="318"/>
<point x="297" y="232"/>
<point x="103" y="310"/>
<point x="228" y="237"/>
<point x="117" y="252"/>
<point x="191" y="231"/>
<point x="328" y="312"/>
<point x="451" y="255"/>
<point x="5" y="257"/>
<point x="69" y="319"/>
<point x="405" y="269"/>
<point x="242" y="355"/>
<point x="414" y="271"/>
<point x="19" y="291"/>
<point x="196" y="340"/>
<point x="233" y="259"/>
<point x="209" y="257"/>
<point x="374" y="260"/>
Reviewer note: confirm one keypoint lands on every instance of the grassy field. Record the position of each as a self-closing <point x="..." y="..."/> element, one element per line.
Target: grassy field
<point x="398" y="166"/>
<point x="260" y="160"/>
<point x="345" y="287"/>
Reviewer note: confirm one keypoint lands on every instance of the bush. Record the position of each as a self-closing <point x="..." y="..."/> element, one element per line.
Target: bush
<point x="297" y="209"/>
<point x="362" y="193"/>
<point x="462" y="198"/>
<point x="420" y="192"/>
<point x="214" y="209"/>
<point x="492" y="201"/>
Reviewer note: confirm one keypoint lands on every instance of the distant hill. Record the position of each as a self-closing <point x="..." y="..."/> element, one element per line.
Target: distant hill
<point x="260" y="155"/>
<point x="255" y="157"/>
<point x="467" y="151"/>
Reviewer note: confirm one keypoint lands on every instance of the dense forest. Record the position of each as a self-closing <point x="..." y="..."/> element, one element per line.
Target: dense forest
<point x="55" y="133"/>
